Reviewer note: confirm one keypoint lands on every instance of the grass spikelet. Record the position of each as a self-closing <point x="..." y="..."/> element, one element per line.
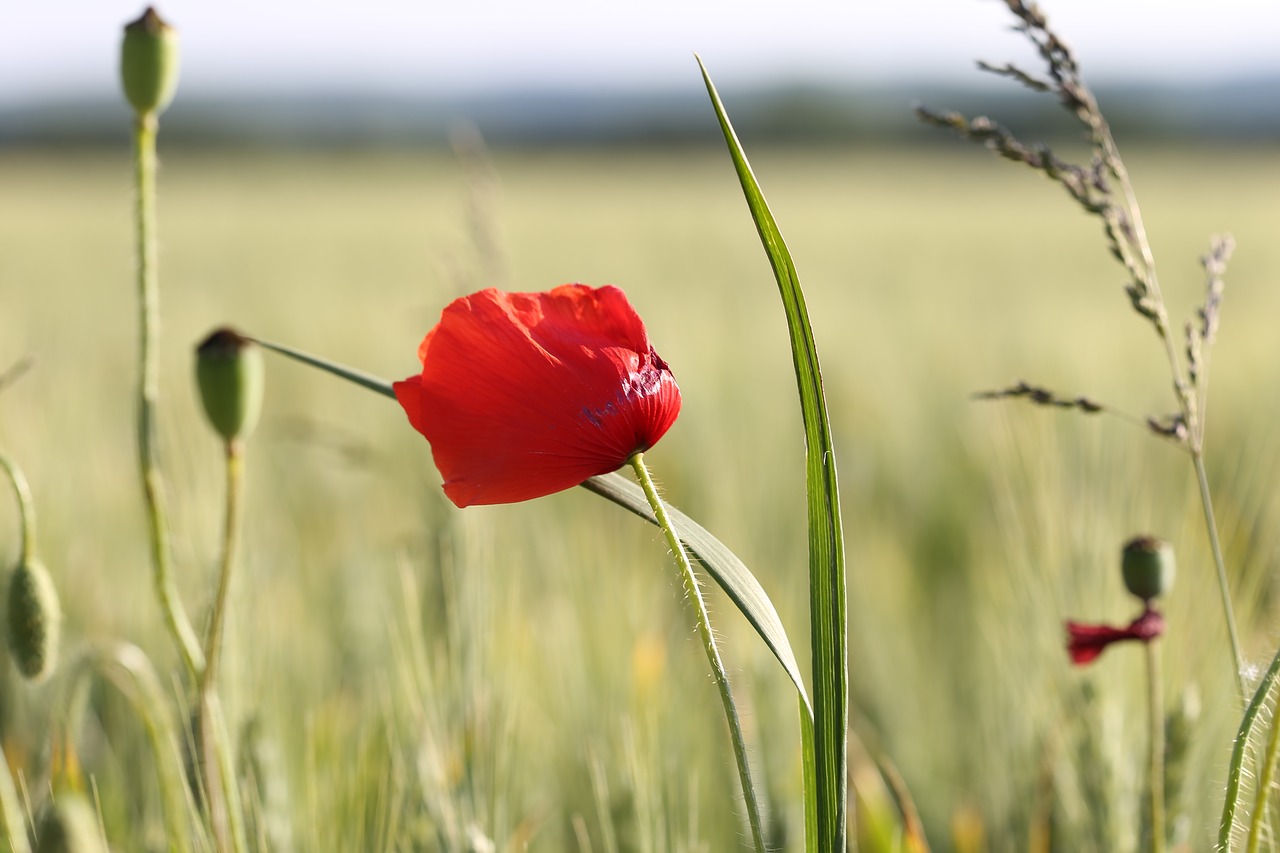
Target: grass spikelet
<point x="1102" y="188"/>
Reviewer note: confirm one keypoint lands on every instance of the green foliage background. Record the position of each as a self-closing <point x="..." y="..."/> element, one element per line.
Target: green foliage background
<point x="428" y="678"/>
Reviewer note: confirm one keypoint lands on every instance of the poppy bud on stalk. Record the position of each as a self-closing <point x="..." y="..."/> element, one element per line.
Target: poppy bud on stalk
<point x="231" y="377"/>
<point x="1148" y="567"/>
<point x="149" y="63"/>
<point x="34" y="619"/>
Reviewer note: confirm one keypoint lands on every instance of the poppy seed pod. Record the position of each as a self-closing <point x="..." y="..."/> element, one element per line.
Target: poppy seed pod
<point x="1148" y="567"/>
<point x="70" y="825"/>
<point x="231" y="376"/>
<point x="149" y="63"/>
<point x="34" y="619"/>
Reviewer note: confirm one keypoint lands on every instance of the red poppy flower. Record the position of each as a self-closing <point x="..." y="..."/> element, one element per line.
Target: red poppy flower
<point x="526" y="394"/>
<point x="1086" y="642"/>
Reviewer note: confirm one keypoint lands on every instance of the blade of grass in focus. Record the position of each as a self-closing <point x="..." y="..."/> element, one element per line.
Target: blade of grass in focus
<point x="827" y="603"/>
<point x="723" y="565"/>
<point x="1235" y="775"/>
<point x="808" y="760"/>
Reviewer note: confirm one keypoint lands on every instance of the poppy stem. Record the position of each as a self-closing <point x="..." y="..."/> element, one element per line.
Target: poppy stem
<point x="1155" y="690"/>
<point x="220" y="790"/>
<point x="694" y="594"/>
<point x="230" y="542"/>
<point x="26" y="508"/>
<point x="175" y="617"/>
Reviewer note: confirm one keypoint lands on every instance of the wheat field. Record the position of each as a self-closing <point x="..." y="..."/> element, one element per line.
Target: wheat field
<point x="415" y="677"/>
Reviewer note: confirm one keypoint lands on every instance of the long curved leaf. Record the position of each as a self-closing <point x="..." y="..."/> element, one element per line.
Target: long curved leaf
<point x="729" y="572"/>
<point x="723" y="565"/>
<point x="1239" y="752"/>
<point x="827" y="604"/>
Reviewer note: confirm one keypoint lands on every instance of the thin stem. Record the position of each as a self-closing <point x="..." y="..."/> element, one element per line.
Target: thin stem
<point x="1195" y="446"/>
<point x="26" y="508"/>
<point x="1224" y="587"/>
<point x="149" y="392"/>
<point x="1187" y="401"/>
<point x="694" y="594"/>
<point x="214" y="747"/>
<point x="224" y="792"/>
<point x="1155" y="695"/>
<point x="230" y="544"/>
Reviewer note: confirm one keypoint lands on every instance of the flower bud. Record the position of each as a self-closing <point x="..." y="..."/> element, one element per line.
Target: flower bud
<point x="1148" y="567"/>
<point x="149" y="63"/>
<point x="69" y="825"/>
<point x="230" y="374"/>
<point x="34" y="620"/>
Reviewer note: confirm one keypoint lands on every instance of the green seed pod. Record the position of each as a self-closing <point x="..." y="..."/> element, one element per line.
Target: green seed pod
<point x="34" y="620"/>
<point x="149" y="63"/>
<point x="231" y="376"/>
<point x="69" y="825"/>
<point x="1148" y="567"/>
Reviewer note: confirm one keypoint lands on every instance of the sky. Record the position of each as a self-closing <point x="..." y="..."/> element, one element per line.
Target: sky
<point x="68" y="48"/>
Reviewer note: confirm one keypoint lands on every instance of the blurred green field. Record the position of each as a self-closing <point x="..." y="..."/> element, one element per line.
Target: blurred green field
<point x="424" y="678"/>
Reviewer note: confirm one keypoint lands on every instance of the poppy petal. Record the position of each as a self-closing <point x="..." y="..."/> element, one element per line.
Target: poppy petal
<point x="1085" y="642"/>
<point x="526" y="394"/>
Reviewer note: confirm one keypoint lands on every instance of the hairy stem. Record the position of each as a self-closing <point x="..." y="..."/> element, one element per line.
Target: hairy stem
<point x="1257" y="821"/>
<point x="230" y="544"/>
<point x="694" y="595"/>
<point x="1244" y="736"/>
<point x="149" y="392"/>
<point x="220" y="790"/>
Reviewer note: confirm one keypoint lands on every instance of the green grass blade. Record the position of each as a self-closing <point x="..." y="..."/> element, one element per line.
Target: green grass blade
<point x="729" y="572"/>
<point x="827" y="603"/>
<point x="1239" y="752"/>
<point x="810" y="770"/>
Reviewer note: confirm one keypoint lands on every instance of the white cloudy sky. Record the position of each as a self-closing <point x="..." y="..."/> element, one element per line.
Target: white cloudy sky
<point x="68" y="47"/>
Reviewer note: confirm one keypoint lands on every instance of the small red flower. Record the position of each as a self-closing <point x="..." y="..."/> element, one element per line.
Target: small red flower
<point x="526" y="394"/>
<point x="1086" y="642"/>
